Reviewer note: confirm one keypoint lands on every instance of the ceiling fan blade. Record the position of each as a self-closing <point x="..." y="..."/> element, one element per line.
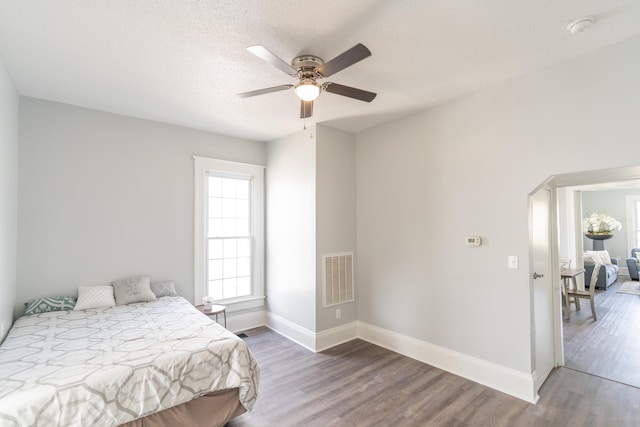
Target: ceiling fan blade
<point x="264" y="91"/>
<point x="306" y="109"/>
<point x="344" y="60"/>
<point x="349" y="91"/>
<point x="268" y="56"/>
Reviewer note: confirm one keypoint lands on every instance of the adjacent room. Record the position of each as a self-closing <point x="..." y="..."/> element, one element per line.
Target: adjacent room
<point x="601" y="220"/>
<point x="340" y="213"/>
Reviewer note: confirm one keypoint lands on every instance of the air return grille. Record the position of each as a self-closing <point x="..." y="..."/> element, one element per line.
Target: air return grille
<point x="337" y="276"/>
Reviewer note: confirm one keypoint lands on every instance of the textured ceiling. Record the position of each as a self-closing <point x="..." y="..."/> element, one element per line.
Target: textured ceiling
<point x="182" y="62"/>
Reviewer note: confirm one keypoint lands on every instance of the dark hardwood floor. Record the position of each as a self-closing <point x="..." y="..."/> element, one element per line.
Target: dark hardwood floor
<point x="360" y="384"/>
<point x="610" y="346"/>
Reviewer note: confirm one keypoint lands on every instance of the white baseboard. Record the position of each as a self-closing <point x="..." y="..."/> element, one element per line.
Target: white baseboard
<point x="291" y="331"/>
<point x="498" y="377"/>
<point x="506" y="380"/>
<point x="336" y="336"/>
<point x="313" y="341"/>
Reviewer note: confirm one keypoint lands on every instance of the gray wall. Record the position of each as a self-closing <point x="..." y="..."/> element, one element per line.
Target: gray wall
<point x="104" y="196"/>
<point x="311" y="200"/>
<point x="291" y="237"/>
<point x="335" y="212"/>
<point x="9" y="102"/>
<point x="426" y="181"/>
<point x="612" y="203"/>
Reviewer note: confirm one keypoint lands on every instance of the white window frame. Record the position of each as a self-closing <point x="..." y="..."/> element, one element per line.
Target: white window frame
<point x="632" y="221"/>
<point x="204" y="167"/>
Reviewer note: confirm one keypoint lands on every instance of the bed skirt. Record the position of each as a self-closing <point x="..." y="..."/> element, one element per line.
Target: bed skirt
<point x="211" y="410"/>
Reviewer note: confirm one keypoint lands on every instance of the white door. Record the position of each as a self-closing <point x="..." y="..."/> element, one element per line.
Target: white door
<point x="542" y="286"/>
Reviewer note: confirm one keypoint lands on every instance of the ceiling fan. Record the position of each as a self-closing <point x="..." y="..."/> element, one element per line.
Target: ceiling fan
<point x="309" y="69"/>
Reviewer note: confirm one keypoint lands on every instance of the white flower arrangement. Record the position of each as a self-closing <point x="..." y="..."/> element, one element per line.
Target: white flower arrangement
<point x="208" y="300"/>
<point x="600" y="224"/>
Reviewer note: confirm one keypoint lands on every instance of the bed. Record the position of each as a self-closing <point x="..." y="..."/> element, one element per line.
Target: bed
<point x="147" y="363"/>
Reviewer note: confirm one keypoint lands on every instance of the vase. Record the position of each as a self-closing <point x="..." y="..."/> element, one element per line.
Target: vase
<point x="598" y="240"/>
<point x="208" y="306"/>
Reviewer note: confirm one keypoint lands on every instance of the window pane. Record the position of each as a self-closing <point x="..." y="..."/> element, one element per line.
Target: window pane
<point x="229" y="208"/>
<point x="215" y="207"/>
<point x="214" y="227"/>
<point x="243" y="189"/>
<point x="229" y="288"/>
<point x="242" y="227"/>
<point x="230" y="248"/>
<point x="215" y="249"/>
<point x="229" y="187"/>
<point x="242" y="208"/>
<point x="228" y="227"/>
<point x="215" y="186"/>
<point x="229" y="267"/>
<point x="244" y="286"/>
<point x="215" y="269"/>
<point x="215" y="289"/>
<point x="244" y="267"/>
<point x="243" y="248"/>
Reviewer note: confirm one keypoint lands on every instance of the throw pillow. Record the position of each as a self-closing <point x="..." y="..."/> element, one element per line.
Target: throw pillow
<point x="164" y="289"/>
<point x="95" y="297"/>
<point x="604" y="256"/>
<point x="592" y="258"/>
<point x="44" y="305"/>
<point x="133" y="289"/>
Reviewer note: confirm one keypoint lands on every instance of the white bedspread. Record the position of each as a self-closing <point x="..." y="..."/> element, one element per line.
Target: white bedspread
<point x="104" y="367"/>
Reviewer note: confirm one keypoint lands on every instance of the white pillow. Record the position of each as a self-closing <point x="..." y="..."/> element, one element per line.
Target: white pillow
<point x="164" y="289"/>
<point x="95" y="297"/>
<point x="588" y="259"/>
<point x="133" y="289"/>
<point x="603" y="255"/>
<point x="592" y="259"/>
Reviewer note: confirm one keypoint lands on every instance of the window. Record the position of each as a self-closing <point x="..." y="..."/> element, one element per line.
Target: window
<point x="229" y="232"/>
<point x="633" y="221"/>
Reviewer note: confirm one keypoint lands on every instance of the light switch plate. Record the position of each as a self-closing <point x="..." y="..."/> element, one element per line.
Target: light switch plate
<point x="512" y="262"/>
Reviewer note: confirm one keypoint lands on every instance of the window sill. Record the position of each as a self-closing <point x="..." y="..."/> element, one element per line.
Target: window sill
<point x="242" y="304"/>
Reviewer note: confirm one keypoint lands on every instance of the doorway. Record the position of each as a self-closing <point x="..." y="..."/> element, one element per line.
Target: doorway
<point x="629" y="176"/>
<point x="604" y="347"/>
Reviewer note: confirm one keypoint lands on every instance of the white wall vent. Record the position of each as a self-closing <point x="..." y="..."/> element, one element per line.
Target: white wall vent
<point x="337" y="278"/>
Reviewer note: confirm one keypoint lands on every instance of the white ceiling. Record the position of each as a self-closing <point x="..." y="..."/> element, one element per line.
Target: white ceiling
<point x="182" y="62"/>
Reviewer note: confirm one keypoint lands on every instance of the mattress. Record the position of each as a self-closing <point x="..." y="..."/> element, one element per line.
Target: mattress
<point x="109" y="366"/>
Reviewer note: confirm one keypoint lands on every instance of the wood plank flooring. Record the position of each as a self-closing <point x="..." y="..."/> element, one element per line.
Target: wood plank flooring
<point x="360" y="384"/>
<point x="610" y="346"/>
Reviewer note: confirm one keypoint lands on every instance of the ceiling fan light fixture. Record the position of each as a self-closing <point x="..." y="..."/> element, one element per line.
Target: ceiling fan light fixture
<point x="307" y="90"/>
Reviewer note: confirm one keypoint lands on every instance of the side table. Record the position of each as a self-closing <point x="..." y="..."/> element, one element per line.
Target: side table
<point x="215" y="310"/>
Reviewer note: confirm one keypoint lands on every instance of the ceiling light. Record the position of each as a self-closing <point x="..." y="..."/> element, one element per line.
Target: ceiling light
<point x="580" y="25"/>
<point x="307" y="90"/>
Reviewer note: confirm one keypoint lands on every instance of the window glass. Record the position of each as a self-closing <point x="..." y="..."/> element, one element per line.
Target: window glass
<point x="229" y="241"/>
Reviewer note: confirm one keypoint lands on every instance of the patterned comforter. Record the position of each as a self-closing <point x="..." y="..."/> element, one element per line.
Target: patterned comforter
<point x="108" y="366"/>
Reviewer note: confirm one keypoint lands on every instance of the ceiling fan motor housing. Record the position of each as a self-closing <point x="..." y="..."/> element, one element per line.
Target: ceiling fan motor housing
<point x="306" y="66"/>
<point x="306" y="62"/>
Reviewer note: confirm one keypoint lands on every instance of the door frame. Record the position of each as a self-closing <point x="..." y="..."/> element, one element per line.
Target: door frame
<point x="573" y="179"/>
